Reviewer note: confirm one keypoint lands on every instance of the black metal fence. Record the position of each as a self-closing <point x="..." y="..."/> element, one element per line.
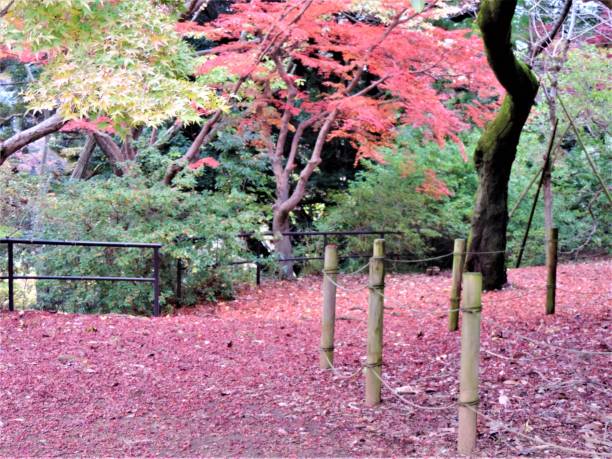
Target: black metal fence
<point x="11" y="277"/>
<point x="259" y="262"/>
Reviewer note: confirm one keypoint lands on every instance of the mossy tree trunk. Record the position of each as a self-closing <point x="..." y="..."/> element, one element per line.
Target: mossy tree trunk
<point x="496" y="148"/>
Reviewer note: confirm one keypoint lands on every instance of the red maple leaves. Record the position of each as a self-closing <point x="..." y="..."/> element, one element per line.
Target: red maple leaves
<point x="102" y="123"/>
<point x="375" y="74"/>
<point x="208" y="161"/>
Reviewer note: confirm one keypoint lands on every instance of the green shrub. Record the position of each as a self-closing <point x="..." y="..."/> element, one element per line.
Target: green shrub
<point x="131" y="209"/>
<point x="389" y="197"/>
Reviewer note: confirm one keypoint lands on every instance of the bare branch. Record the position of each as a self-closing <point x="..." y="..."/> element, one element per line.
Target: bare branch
<point x="6" y="9"/>
<point x="10" y="117"/>
<point x="297" y="137"/>
<point x="547" y="40"/>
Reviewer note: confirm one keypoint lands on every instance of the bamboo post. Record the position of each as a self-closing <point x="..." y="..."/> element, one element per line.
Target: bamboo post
<point x="330" y="271"/>
<point x="551" y="268"/>
<point x="468" y="373"/>
<point x="458" y="260"/>
<point x="373" y="383"/>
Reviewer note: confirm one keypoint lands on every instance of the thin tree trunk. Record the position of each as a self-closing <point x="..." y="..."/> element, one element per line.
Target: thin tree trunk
<point x="282" y="244"/>
<point x="80" y="170"/>
<point x="496" y="149"/>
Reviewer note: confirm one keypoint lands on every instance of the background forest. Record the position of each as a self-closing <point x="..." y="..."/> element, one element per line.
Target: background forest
<point x="297" y="141"/>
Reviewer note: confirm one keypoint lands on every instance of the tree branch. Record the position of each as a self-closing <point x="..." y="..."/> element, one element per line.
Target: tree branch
<point x="287" y="115"/>
<point x="10" y="117"/>
<point x="204" y="136"/>
<point x="208" y="130"/>
<point x="309" y="168"/>
<point x="111" y="150"/>
<point x="80" y="169"/>
<point x="297" y="137"/>
<point x="6" y="9"/>
<point x="547" y="40"/>
<point x="15" y="143"/>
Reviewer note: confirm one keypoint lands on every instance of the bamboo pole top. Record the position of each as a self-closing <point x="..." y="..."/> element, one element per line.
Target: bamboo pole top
<point x="331" y="257"/>
<point x="378" y="248"/>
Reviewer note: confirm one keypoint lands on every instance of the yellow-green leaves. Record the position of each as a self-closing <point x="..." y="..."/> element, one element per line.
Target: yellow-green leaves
<point x="119" y="58"/>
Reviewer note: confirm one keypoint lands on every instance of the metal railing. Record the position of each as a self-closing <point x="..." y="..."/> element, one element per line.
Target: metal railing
<point x="259" y="265"/>
<point x="11" y="277"/>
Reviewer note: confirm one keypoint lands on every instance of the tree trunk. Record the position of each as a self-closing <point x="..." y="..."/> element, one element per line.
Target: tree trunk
<point x="282" y="244"/>
<point x="80" y="170"/>
<point x="111" y="150"/>
<point x="496" y="148"/>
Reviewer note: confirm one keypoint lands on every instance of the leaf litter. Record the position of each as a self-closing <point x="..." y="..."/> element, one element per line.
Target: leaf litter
<point x="241" y="378"/>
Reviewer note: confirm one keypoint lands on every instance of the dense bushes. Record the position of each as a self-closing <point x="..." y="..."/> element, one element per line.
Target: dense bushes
<point x="386" y="196"/>
<point x="391" y="196"/>
<point x="130" y="209"/>
<point x="217" y="204"/>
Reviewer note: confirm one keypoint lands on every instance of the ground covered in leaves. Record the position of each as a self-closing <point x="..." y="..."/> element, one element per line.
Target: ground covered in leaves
<point x="242" y="377"/>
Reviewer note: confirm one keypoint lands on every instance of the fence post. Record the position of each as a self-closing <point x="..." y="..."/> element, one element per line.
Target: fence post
<point x="156" y="308"/>
<point x="258" y="273"/>
<point x="470" y="356"/>
<point x="328" y="316"/>
<point x="179" y="279"/>
<point x="455" y="296"/>
<point x="375" y="324"/>
<point x="551" y="268"/>
<point x="11" y="274"/>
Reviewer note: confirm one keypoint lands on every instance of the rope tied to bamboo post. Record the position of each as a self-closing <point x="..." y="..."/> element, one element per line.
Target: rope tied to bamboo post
<point x="373" y="365"/>
<point x="469" y="361"/>
<point x="331" y="348"/>
<point x="331" y="271"/>
<point x="376" y="286"/>
<point x="468" y="404"/>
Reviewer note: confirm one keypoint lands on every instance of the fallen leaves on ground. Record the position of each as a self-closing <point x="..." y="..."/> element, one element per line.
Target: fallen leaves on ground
<point x="242" y="378"/>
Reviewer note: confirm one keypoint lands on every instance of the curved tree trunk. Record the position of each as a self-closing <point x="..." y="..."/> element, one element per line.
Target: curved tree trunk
<point x="496" y="148"/>
<point x="115" y="155"/>
<point x="80" y="170"/>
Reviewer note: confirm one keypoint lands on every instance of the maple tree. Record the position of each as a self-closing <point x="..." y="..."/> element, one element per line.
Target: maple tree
<point x="122" y="61"/>
<point x="378" y="69"/>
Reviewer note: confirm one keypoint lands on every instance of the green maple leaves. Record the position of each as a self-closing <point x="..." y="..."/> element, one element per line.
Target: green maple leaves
<point x="122" y="59"/>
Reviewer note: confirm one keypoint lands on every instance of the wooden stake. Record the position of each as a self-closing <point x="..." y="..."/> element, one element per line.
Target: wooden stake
<point x="375" y="324"/>
<point x="458" y="260"/>
<point x="551" y="268"/>
<point x="470" y="355"/>
<point x="330" y="270"/>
